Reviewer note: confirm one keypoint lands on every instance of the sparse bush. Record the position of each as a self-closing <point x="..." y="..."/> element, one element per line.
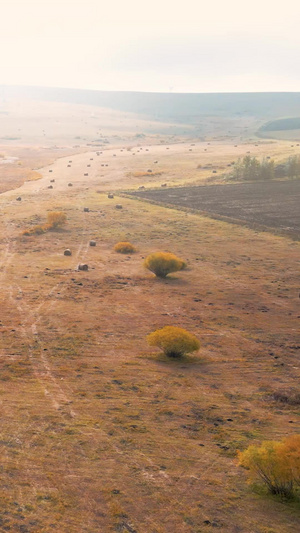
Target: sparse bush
<point x="276" y="463"/>
<point x="287" y="396"/>
<point x="163" y="263"/>
<point x="36" y="230"/>
<point x="173" y="341"/>
<point x="56" y="219"/>
<point x="125" y="248"/>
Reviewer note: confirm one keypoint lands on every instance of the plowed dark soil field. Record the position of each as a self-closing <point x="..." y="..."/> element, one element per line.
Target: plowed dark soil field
<point x="273" y="205"/>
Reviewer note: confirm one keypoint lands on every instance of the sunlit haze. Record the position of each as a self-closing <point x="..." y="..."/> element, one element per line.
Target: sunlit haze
<point x="219" y="46"/>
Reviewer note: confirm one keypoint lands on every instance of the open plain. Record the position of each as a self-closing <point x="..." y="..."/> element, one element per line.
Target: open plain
<point x="99" y="432"/>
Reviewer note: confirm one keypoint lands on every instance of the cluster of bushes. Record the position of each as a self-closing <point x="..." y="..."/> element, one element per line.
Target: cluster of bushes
<point x="250" y="168"/>
<point x="55" y="220"/>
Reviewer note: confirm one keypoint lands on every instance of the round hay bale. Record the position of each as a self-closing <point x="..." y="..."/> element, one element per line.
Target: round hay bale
<point x="50" y="170"/>
<point x="86" y="174"/>
<point x="86" y="209"/>
<point x="50" y="186"/>
<point x="71" y="161"/>
<point x="142" y="187"/>
<point x="52" y="181"/>
<point x="119" y="206"/>
<point x="83" y="266"/>
<point x="110" y="195"/>
<point x="92" y="243"/>
<point x="149" y="170"/>
<point x="70" y="184"/>
<point x="19" y="199"/>
<point x="68" y="165"/>
<point x="67" y="252"/>
<point x="163" y="185"/>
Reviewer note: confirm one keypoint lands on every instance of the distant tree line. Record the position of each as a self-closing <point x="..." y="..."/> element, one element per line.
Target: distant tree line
<point x="250" y="168"/>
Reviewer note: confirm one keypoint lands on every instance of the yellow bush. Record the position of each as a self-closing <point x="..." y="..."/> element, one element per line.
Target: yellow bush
<point x="163" y="263"/>
<point x="56" y="219"/>
<point x="173" y="341"/>
<point x="276" y="463"/>
<point x="124" y="248"/>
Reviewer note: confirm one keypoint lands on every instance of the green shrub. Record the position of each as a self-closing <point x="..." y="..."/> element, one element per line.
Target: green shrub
<point x="125" y="248"/>
<point x="173" y="341"/>
<point x="163" y="263"/>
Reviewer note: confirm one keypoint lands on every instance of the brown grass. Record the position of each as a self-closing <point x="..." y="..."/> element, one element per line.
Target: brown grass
<point x="99" y="433"/>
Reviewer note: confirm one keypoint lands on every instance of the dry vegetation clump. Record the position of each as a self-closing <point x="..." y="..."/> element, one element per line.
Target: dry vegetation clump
<point x="287" y="397"/>
<point x="277" y="464"/>
<point x="141" y="174"/>
<point x="124" y="248"/>
<point x="163" y="263"/>
<point x="55" y="220"/>
<point x="173" y="341"/>
<point x="34" y="176"/>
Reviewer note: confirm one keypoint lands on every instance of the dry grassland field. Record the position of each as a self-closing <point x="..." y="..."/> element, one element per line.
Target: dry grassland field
<point x="100" y="432"/>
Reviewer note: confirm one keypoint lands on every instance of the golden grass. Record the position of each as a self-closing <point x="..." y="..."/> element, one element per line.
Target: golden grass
<point x="34" y="176"/>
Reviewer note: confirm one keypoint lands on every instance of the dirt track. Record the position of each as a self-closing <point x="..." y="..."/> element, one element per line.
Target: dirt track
<point x="274" y="205"/>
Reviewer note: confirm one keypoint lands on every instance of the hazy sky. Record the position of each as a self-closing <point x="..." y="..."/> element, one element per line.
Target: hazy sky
<point x="158" y="45"/>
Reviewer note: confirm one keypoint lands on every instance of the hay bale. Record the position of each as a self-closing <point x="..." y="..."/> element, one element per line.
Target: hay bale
<point x="85" y="174"/>
<point x="163" y="185"/>
<point x="52" y="181"/>
<point x="67" y="252"/>
<point x="50" y="171"/>
<point x="50" y="186"/>
<point x="142" y="187"/>
<point x="119" y="206"/>
<point x="149" y="170"/>
<point x="70" y="184"/>
<point x="19" y="199"/>
<point x="92" y="243"/>
<point x="83" y="266"/>
<point x="86" y="209"/>
<point x="110" y="195"/>
<point x="71" y="161"/>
